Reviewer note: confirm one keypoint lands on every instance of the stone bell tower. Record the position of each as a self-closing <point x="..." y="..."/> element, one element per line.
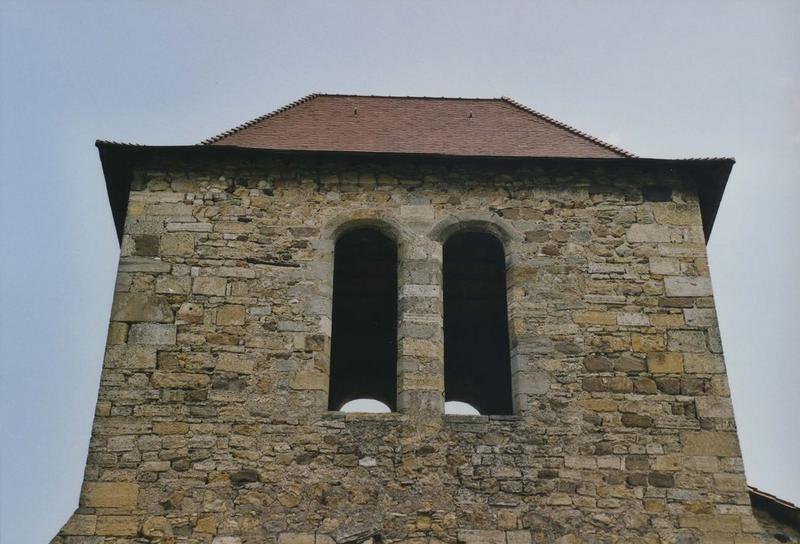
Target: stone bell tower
<point x="415" y="252"/>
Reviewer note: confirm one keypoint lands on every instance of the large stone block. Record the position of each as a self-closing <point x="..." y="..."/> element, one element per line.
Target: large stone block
<point x="639" y="232"/>
<point x="231" y="314"/>
<point x="80" y="525"/>
<point x="170" y="427"/>
<point x="595" y="318"/>
<point x="296" y="538"/>
<point x="665" y="363"/>
<point x="110" y="494"/>
<point x="177" y="243"/>
<point x="481" y="537"/>
<point x="226" y="540"/>
<point x="703" y="363"/>
<point x="233" y="362"/>
<point x="137" y="307"/>
<point x="673" y="213"/>
<point x="717" y="407"/>
<point x="152" y="334"/>
<point x="720" y="443"/>
<point x="117" y="526"/>
<point x="180" y="380"/>
<point x="667" y="266"/>
<point x="209" y="285"/>
<point x="687" y="341"/>
<point x="173" y="285"/>
<point x="718" y="523"/>
<point x="684" y="286"/>
<point x="309" y="380"/>
<point x="150" y="265"/>
<point x="700" y="317"/>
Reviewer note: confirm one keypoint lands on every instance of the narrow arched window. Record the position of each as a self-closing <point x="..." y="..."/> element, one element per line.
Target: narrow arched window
<point x="477" y="368"/>
<point x="364" y="321"/>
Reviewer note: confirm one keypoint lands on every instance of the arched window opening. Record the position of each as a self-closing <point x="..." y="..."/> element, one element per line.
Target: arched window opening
<point x="365" y="406"/>
<point x="458" y="408"/>
<point x="364" y="321"/>
<point x="477" y="368"/>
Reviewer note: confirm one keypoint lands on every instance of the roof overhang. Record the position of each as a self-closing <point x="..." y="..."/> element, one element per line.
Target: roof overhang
<point x="119" y="161"/>
<point x="781" y="510"/>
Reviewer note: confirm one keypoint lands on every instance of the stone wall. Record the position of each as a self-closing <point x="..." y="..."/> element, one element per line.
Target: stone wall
<point x="211" y="423"/>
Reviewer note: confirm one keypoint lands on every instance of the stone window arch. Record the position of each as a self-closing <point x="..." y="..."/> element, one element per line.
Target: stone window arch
<point x="477" y="357"/>
<point x="363" y="357"/>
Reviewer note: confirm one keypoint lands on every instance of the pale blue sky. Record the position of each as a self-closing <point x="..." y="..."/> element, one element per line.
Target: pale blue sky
<point x="676" y="79"/>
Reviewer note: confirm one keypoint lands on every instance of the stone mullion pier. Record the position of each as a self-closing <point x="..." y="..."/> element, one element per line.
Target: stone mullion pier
<point x="528" y="382"/>
<point x="420" y="358"/>
<point x="319" y="312"/>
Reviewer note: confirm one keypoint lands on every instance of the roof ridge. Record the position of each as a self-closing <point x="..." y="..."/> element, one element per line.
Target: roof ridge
<point x="260" y="118"/>
<point x="565" y="126"/>
<point x="416" y="97"/>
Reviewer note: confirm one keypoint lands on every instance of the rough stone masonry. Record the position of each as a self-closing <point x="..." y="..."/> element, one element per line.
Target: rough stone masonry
<point x="212" y="422"/>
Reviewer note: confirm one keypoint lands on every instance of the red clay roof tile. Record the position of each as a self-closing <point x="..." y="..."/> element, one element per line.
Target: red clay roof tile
<point x="495" y="127"/>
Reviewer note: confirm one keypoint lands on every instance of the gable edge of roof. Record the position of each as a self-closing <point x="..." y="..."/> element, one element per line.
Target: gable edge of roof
<point x="567" y="127"/>
<point x="260" y="118"/>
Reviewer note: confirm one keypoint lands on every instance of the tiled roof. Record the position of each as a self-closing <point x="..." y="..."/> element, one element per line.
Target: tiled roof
<point x="494" y="127"/>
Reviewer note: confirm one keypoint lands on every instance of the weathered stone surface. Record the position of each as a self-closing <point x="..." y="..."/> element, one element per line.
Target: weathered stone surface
<point x="146" y="245"/>
<point x="117" y="334"/>
<point x="721" y="443"/>
<point x="173" y="285"/>
<point x="714" y="407"/>
<point x="630" y="319"/>
<point x="718" y="523"/>
<point x="170" y="427"/>
<point x="231" y="314"/>
<point x="226" y="540"/>
<point x="649" y="233"/>
<point x="109" y="494"/>
<point x="684" y="286"/>
<point x="179" y="243"/>
<point x="209" y="285"/>
<point x="628" y="363"/>
<point x="665" y="363"/>
<point x="296" y="538"/>
<point x="143" y="264"/>
<point x="190" y="313"/>
<point x="700" y="317"/>
<point x="595" y="318"/>
<point x="636" y="420"/>
<point x="673" y="213"/>
<point x="212" y="424"/>
<point x="135" y="307"/>
<point x="180" y="380"/>
<point x="152" y="334"/>
<point x="80" y="525"/>
<point x="703" y="363"/>
<point x="232" y="362"/>
<point x="309" y="380"/>
<point x="687" y="341"/>
<point x="243" y="477"/>
<point x="117" y="526"/>
<point x="481" y="537"/>
<point x="597" y="364"/>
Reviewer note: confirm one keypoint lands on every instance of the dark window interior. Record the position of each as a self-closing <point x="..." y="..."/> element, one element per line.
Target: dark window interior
<point x="477" y="367"/>
<point x="364" y="328"/>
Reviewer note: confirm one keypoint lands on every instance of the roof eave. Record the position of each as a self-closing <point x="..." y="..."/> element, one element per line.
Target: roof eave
<point x="118" y="159"/>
